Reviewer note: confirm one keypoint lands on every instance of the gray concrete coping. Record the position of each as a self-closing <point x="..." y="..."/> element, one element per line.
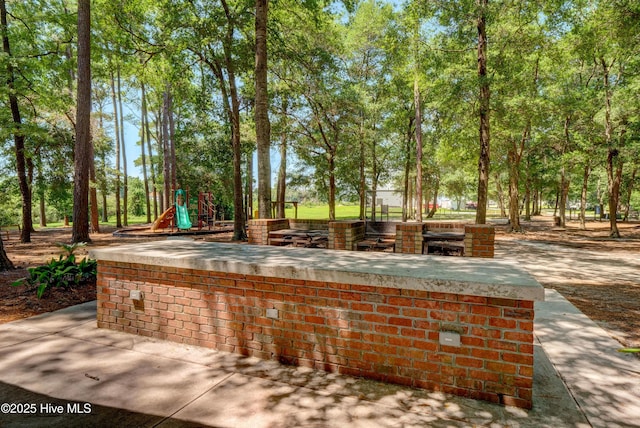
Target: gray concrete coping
<point x="457" y="275"/>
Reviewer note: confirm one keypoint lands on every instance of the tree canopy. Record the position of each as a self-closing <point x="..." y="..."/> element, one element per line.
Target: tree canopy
<point x="514" y="103"/>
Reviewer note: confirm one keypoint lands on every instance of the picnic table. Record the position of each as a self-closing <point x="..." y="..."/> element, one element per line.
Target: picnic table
<point x="299" y="238"/>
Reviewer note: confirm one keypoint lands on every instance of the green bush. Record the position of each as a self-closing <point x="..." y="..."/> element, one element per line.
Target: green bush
<point x="64" y="272"/>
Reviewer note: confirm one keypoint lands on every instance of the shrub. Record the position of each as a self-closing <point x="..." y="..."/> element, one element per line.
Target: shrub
<point x="64" y="272"/>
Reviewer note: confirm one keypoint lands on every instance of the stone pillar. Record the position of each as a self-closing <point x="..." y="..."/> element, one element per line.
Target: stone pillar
<point x="409" y="239"/>
<point x="345" y="235"/>
<point x="479" y="240"/>
<point x="258" y="230"/>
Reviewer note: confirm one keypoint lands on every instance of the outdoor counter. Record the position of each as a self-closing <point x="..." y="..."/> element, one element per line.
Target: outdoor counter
<point x="459" y="325"/>
<point x="477" y="277"/>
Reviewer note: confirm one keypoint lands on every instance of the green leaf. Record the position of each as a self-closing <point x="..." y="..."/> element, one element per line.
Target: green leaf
<point x="19" y="282"/>
<point x="629" y="350"/>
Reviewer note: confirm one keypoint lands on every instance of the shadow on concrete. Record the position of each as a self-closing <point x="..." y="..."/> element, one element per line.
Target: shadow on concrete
<point x="39" y="410"/>
<point x="605" y="383"/>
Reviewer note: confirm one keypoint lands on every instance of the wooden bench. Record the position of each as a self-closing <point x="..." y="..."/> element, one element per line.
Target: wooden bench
<point x="379" y="236"/>
<point x="7" y="230"/>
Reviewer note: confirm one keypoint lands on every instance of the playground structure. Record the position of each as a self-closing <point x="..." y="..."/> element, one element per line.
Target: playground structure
<point x="178" y="216"/>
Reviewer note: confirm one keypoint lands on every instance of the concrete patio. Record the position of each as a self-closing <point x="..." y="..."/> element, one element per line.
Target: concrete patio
<point x="61" y="358"/>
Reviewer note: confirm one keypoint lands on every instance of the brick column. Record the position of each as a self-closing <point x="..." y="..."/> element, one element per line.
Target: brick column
<point x="479" y="240"/>
<point x="344" y="235"/>
<point x="409" y="238"/>
<point x="258" y="230"/>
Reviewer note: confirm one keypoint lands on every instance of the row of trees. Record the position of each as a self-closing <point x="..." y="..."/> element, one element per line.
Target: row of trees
<point x="519" y="101"/>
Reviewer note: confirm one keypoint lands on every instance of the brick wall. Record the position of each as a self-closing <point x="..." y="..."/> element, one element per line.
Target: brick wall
<point x="345" y="235"/>
<point x="479" y="240"/>
<point x="445" y="226"/>
<point x="409" y="238"/>
<point x="258" y="230"/>
<point x="381" y="333"/>
<point x="308" y="224"/>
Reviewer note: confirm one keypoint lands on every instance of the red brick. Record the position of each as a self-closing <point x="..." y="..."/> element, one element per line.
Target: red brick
<point x="517" y="358"/>
<point x="502" y="368"/>
<point x="386" y="329"/>
<point x="388" y="310"/>
<point x="472" y="341"/>
<point x="426" y="345"/>
<point x="520" y="337"/>
<point x="490" y="311"/>
<point x="502" y="345"/>
<point x="364" y="307"/>
<point x="444" y="316"/>
<point x="485" y="354"/>
<point x="415" y="313"/>
<point x="400" y="301"/>
<point x="314" y="319"/>
<point x="406" y="322"/>
<point x="400" y="341"/>
<point x="503" y="323"/>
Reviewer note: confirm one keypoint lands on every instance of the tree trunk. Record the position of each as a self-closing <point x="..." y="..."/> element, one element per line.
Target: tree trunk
<point x="614" y="164"/>
<point x="43" y="211"/>
<point x="583" y="196"/>
<point x="362" y="185"/>
<point x="82" y="158"/>
<point x="125" y="174"/>
<point x="535" y="203"/>
<point x="434" y="208"/>
<point x="103" y="167"/>
<point x="562" y="198"/>
<point x="166" y="150"/>
<point x="30" y="169"/>
<point x="41" y="197"/>
<point x="332" y="187"/>
<point x="514" y="196"/>
<point x="514" y="154"/>
<point x="234" y="117"/>
<point x="374" y="182"/>
<point x="614" y="173"/>
<point x="152" y="168"/>
<point x="105" y="214"/>
<point x="627" y="201"/>
<point x="263" y="127"/>
<point x="500" y="192"/>
<point x="484" y="99"/>
<point x="18" y="136"/>
<point x="249" y="185"/>
<point x="93" y="192"/>
<point x="117" y="135"/>
<point x="527" y="199"/>
<point x="143" y="118"/>
<point x="282" y="176"/>
<point x="5" y="262"/>
<point x="418" y="111"/>
<point x="407" y="170"/>
<point x="172" y="141"/>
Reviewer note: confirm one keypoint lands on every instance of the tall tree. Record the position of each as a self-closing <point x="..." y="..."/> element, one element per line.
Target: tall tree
<point x="83" y="152"/>
<point x="118" y="146"/>
<point x="123" y="151"/>
<point x="143" y="119"/>
<point x="263" y="128"/>
<point x="484" y="106"/>
<point x="17" y="131"/>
